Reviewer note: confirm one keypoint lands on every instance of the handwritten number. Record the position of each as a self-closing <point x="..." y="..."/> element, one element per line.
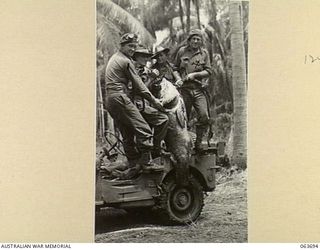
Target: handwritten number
<point x="312" y="59"/>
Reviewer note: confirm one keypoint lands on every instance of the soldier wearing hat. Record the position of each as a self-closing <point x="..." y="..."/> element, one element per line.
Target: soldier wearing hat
<point x="164" y="68"/>
<point x="141" y="58"/>
<point x="136" y="133"/>
<point x="192" y="62"/>
<point x="157" y="120"/>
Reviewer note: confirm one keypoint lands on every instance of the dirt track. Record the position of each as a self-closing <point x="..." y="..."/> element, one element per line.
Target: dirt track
<point x="223" y="219"/>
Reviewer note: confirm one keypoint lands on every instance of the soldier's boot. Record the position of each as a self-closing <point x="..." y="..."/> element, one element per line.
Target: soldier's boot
<point x="131" y="171"/>
<point x="145" y="162"/>
<point x="145" y="159"/>
<point x="156" y="152"/>
<point x="199" y="148"/>
<point x="132" y="162"/>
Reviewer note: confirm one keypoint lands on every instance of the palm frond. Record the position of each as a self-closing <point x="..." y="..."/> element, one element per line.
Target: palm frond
<point x="116" y="14"/>
<point x="108" y="35"/>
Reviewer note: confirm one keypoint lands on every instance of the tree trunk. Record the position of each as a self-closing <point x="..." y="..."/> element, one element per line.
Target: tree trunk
<point x="196" y="2"/>
<point x="239" y="86"/>
<point x="181" y="15"/>
<point x="212" y="10"/>
<point x="214" y="16"/>
<point x="188" y="15"/>
<point x="170" y="28"/>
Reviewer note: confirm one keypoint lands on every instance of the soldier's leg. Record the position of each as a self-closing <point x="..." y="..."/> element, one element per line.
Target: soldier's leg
<point x="133" y="119"/>
<point x="159" y="121"/>
<point x="201" y="107"/>
<point x="129" y="144"/>
<point x="114" y="104"/>
<point x="126" y="113"/>
<point x="188" y="100"/>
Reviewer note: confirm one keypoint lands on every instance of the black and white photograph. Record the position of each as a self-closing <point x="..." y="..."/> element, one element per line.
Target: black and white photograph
<point x="171" y="121"/>
<point x="159" y="121"/>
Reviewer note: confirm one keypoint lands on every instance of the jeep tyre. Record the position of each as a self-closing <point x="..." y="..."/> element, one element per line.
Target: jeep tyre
<point x="180" y="205"/>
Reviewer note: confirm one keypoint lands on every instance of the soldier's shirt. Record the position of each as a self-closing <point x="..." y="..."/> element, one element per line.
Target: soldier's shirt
<point x="187" y="61"/>
<point x="120" y="72"/>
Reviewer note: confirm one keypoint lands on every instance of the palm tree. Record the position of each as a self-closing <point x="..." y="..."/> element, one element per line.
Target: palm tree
<point x="181" y="15"/>
<point x="121" y="18"/>
<point x="188" y="13"/>
<point x="107" y="43"/>
<point x="239" y="86"/>
<point x="197" y="5"/>
<point x="158" y="15"/>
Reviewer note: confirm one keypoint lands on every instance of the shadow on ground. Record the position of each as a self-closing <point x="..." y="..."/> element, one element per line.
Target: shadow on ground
<point x="111" y="219"/>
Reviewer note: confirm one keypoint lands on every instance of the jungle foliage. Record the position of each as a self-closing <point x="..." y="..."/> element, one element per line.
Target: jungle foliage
<point x="146" y="17"/>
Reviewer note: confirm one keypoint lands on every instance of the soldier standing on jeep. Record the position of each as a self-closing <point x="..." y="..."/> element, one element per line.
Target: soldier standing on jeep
<point x="136" y="133"/>
<point x="156" y="119"/>
<point x="193" y="64"/>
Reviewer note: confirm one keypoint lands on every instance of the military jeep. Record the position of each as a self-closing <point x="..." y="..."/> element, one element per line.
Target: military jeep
<point x="158" y="190"/>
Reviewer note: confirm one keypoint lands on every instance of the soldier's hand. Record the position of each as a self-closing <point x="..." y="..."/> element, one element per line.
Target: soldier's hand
<point x="204" y="84"/>
<point x="158" y="105"/>
<point x="191" y="77"/>
<point x="154" y="73"/>
<point x="178" y="83"/>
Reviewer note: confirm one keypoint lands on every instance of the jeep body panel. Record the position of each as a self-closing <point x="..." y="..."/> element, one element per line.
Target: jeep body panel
<point x="204" y="169"/>
<point x="137" y="192"/>
<point x="140" y="192"/>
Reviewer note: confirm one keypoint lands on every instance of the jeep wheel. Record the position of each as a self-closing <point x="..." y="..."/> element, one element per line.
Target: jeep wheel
<point x="179" y="204"/>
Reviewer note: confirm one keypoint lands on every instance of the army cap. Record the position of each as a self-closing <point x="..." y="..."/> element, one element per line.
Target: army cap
<point x="195" y="32"/>
<point x="129" y="38"/>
